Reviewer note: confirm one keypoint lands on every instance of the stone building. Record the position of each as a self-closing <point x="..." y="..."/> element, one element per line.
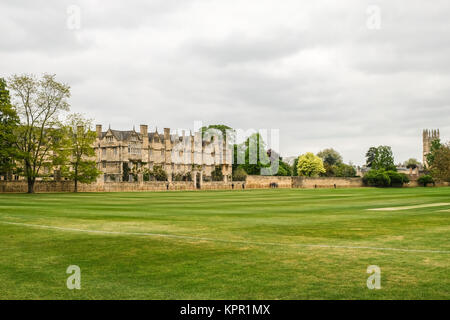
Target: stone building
<point x="177" y="155"/>
<point x="428" y="137"/>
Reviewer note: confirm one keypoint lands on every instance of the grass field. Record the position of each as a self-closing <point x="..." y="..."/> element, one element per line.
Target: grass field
<point x="252" y="244"/>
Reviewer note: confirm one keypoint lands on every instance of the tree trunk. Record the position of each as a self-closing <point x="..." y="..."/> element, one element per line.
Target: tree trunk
<point x="76" y="179"/>
<point x="31" y="185"/>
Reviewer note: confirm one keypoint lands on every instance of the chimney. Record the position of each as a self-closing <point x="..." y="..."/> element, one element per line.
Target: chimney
<point x="144" y="134"/>
<point x="144" y="130"/>
<point x="166" y="134"/>
<point x="98" y="128"/>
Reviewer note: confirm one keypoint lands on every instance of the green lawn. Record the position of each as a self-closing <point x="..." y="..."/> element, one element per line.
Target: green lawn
<point x="251" y="244"/>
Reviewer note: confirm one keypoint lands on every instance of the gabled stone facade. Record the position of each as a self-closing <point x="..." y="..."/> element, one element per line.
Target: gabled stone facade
<point x="177" y="155"/>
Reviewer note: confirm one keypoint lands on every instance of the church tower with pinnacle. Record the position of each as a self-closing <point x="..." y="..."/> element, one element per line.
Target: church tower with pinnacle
<point x="428" y="137"/>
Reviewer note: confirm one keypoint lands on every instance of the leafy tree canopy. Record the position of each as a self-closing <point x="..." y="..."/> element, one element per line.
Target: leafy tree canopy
<point x="9" y="121"/>
<point x="411" y="163"/>
<point x="221" y="127"/>
<point x="380" y="158"/>
<point x="310" y="165"/>
<point x="330" y="156"/>
<point x="284" y="169"/>
<point x="294" y="167"/>
<point x="440" y="167"/>
<point x="435" y="146"/>
<point x="79" y="161"/>
<point x="254" y="152"/>
<point x="39" y="102"/>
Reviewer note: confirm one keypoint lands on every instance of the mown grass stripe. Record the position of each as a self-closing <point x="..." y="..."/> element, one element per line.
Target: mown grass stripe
<point x="221" y="240"/>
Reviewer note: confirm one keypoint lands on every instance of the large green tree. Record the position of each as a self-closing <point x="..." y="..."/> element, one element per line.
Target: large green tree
<point x="39" y="102"/>
<point x="380" y="158"/>
<point x="371" y="155"/>
<point x="284" y="169"/>
<point x="221" y="127"/>
<point x="440" y="167"/>
<point x="344" y="170"/>
<point x="330" y="156"/>
<point x="411" y="163"/>
<point x="310" y="165"/>
<point x="294" y="167"/>
<point x="9" y="121"/>
<point x="80" y="165"/>
<point x="255" y="154"/>
<point x="435" y="146"/>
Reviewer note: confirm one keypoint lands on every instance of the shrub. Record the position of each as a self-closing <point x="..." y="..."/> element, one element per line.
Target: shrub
<point x="177" y="177"/>
<point x="425" y="179"/>
<point x="159" y="173"/>
<point x="405" y="178"/>
<point x="239" y="174"/>
<point x="146" y="175"/>
<point x="383" y="178"/>
<point x="126" y="172"/>
<point x="397" y="179"/>
<point x="217" y="174"/>
<point x="377" y="178"/>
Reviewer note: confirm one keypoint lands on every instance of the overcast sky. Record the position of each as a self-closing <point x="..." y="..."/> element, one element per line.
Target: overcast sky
<point x="341" y="74"/>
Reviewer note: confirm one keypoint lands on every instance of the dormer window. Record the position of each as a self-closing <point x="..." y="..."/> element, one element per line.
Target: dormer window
<point x="109" y="139"/>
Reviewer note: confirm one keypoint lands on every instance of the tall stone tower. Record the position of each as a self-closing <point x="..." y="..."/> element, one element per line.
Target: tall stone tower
<point x="428" y="137"/>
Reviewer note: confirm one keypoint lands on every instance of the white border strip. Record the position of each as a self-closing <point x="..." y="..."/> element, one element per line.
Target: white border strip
<point x="222" y="240"/>
<point x="427" y="205"/>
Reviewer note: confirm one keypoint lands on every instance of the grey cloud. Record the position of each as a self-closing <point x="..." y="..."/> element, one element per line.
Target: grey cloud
<point x="241" y="48"/>
<point x="313" y="70"/>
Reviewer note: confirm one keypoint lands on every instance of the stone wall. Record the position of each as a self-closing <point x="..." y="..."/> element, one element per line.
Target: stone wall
<point x="326" y="182"/>
<point x="21" y="186"/>
<point x="262" y="182"/>
<point x="219" y="185"/>
<point x="414" y="183"/>
<point x="252" y="182"/>
<point x="67" y="186"/>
